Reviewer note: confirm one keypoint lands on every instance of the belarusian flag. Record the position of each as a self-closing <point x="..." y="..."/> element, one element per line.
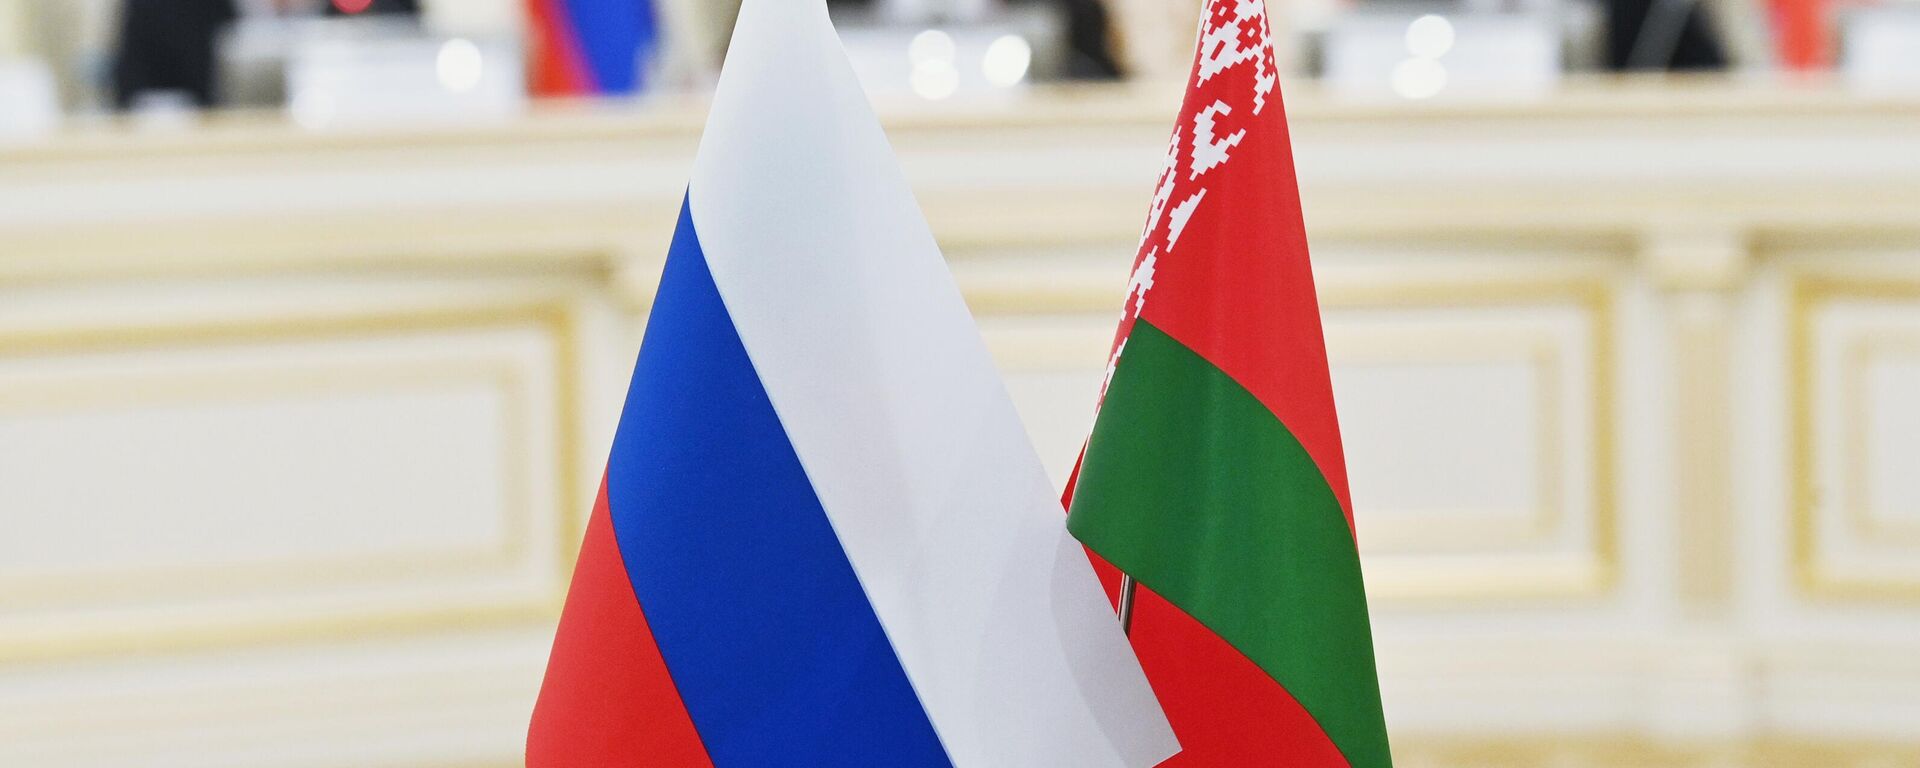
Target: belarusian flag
<point x="1214" y="475"/>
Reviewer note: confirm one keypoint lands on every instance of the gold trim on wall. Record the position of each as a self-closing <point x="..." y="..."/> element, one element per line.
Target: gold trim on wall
<point x="1808" y="295"/>
<point x="1451" y="530"/>
<point x="555" y="318"/>
<point x="1642" y="752"/>
<point x="518" y="519"/>
<point x="1860" y="516"/>
<point x="1531" y="575"/>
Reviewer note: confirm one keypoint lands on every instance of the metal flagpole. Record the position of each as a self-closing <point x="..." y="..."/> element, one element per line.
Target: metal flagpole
<point x="1126" y="604"/>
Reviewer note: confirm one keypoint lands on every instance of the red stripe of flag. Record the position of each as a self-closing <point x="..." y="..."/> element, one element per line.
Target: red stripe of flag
<point x="557" y="66"/>
<point x="608" y="698"/>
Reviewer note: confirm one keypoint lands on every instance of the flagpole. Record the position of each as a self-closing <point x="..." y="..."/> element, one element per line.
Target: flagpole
<point x="1126" y="604"/>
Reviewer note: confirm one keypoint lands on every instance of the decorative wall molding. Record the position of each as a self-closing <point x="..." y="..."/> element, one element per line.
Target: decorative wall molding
<point x="1419" y="565"/>
<point x="108" y="612"/>
<point x="1829" y="397"/>
<point x="1629" y="750"/>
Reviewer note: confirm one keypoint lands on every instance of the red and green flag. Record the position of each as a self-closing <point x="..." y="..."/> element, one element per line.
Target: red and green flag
<point x="1214" y="475"/>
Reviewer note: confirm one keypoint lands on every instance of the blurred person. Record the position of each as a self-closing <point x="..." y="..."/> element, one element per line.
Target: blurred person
<point x="170" y="46"/>
<point x="1090" y="53"/>
<point x="167" y="46"/>
<point x="1662" y="35"/>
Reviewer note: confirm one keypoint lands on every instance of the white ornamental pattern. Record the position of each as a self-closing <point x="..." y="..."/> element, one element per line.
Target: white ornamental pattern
<point x="1233" y="33"/>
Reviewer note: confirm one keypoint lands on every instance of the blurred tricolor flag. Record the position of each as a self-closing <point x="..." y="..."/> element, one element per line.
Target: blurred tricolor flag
<point x="823" y="538"/>
<point x="1214" y="475"/>
<point x="582" y="47"/>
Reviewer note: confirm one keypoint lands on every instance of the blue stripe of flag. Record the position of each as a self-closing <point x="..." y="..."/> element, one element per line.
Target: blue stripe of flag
<point x="762" y="623"/>
<point x="615" y="37"/>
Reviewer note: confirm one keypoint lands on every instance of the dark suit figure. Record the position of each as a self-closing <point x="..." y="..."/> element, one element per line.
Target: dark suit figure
<point x="167" y="45"/>
<point x="171" y="45"/>
<point x="1661" y="35"/>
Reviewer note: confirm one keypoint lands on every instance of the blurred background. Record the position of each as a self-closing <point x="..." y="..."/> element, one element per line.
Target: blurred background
<point x="315" y="318"/>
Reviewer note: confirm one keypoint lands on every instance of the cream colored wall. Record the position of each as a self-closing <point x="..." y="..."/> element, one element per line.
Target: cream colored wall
<point x="485" y="17"/>
<point x="13" y="28"/>
<point x="296" y="431"/>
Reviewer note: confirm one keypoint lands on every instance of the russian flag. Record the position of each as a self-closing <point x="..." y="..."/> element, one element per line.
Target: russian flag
<point x="823" y="538"/>
<point x="590" y="46"/>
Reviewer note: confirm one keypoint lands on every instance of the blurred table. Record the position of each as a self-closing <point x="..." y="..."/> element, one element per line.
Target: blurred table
<point x="297" y="428"/>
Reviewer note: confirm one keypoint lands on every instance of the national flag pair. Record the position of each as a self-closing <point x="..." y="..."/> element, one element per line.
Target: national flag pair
<point x="824" y="540"/>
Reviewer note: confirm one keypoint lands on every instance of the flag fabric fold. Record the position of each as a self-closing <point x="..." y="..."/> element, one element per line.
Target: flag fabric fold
<point x="824" y="538"/>
<point x="1214" y="474"/>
